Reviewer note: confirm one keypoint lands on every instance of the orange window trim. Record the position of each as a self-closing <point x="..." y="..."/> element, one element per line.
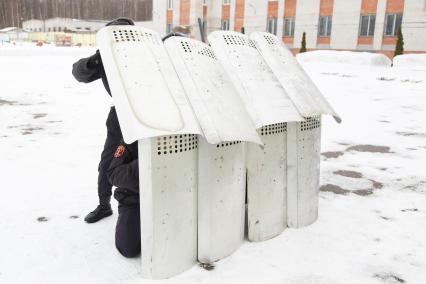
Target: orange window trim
<point x="290" y="8"/>
<point x="395" y="6"/>
<point x="272" y="9"/>
<point x="226" y="12"/>
<point x="185" y="6"/>
<point x="326" y="7"/>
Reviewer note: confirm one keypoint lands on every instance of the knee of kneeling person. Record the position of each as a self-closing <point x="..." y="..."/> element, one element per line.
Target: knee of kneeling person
<point x="128" y="251"/>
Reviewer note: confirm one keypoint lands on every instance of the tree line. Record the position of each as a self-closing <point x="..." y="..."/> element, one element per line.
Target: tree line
<point x="14" y="12"/>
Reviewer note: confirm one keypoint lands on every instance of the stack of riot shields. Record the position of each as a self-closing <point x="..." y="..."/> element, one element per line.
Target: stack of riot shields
<point x="214" y="123"/>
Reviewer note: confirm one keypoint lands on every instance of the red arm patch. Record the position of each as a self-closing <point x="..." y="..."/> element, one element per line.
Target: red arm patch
<point x="119" y="152"/>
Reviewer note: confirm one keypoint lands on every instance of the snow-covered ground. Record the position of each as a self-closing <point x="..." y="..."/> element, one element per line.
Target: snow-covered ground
<point x="372" y="223"/>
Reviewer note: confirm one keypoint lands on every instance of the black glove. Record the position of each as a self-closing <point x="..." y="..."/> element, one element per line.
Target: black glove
<point x="95" y="61"/>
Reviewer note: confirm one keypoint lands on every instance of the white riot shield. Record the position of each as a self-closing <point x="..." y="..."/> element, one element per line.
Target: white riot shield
<point x="214" y="99"/>
<point x="298" y="85"/>
<point x="221" y="168"/>
<point x="261" y="92"/>
<point x="168" y="204"/>
<point x="303" y="171"/>
<point x="151" y="102"/>
<point x="145" y="89"/>
<point x="221" y="196"/>
<point x="266" y="184"/>
<point x="268" y="105"/>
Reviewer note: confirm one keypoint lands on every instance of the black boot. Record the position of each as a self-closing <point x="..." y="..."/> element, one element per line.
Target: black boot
<point x="103" y="210"/>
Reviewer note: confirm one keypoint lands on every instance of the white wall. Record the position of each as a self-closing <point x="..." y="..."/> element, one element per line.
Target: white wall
<point x="176" y="12"/>
<point x="33" y="25"/>
<point x="344" y="31"/>
<point x="380" y="22"/>
<point x="214" y="12"/>
<point x="307" y="16"/>
<point x="255" y="15"/>
<point x="414" y="25"/>
<point x="280" y="21"/>
<point x="159" y="16"/>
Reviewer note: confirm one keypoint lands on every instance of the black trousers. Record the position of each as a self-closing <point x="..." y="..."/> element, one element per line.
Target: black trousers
<point x="128" y="230"/>
<point x="112" y="141"/>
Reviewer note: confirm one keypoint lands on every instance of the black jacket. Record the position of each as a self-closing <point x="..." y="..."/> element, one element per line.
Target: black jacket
<point x="123" y="173"/>
<point x="89" y="69"/>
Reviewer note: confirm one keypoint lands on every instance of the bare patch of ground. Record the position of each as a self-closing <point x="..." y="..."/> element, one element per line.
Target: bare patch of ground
<point x="351" y="174"/>
<point x="334" y="154"/>
<point x="8" y="103"/>
<point x="27" y="128"/>
<point x="39" y="115"/>
<point x="334" y="189"/>
<point x="369" y="148"/>
<point x="376" y="184"/>
<point x="30" y="130"/>
<point x="389" y="277"/>
<point x="417" y="187"/>
<point x="385" y="79"/>
<point x="410" y="210"/>
<point x="42" y="219"/>
<point x="405" y="133"/>
<point x="363" y="192"/>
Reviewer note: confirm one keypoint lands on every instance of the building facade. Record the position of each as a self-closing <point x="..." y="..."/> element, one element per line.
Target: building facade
<point x="62" y="25"/>
<point x="358" y="25"/>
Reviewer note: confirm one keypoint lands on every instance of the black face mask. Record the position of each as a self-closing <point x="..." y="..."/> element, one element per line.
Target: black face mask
<point x="121" y="22"/>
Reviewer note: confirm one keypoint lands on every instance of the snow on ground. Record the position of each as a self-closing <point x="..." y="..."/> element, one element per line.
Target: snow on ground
<point x="371" y="227"/>
<point x="413" y="61"/>
<point x="346" y="57"/>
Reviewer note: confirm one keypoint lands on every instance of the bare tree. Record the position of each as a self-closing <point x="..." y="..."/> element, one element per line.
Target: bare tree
<point x="13" y="12"/>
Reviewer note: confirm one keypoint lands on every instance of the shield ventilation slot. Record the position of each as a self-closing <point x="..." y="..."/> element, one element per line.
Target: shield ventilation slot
<point x="270" y="39"/>
<point x="310" y="123"/>
<point x="207" y="52"/>
<point x="238" y="40"/>
<point x="133" y="36"/>
<point x="186" y="47"/>
<point x="226" y="144"/>
<point x="167" y="145"/>
<point x="273" y="129"/>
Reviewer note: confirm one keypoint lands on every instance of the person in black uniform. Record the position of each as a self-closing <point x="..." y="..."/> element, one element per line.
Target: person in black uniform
<point x="123" y="173"/>
<point x="87" y="70"/>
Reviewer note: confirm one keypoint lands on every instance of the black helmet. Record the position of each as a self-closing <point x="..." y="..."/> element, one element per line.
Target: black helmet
<point x="122" y="21"/>
<point x="173" y="34"/>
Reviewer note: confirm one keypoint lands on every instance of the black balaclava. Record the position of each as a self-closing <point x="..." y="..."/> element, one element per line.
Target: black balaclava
<point x="122" y="21"/>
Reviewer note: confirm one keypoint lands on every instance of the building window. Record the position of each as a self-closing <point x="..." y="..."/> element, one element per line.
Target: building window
<point x="288" y="27"/>
<point x="325" y="23"/>
<point x="367" y="25"/>
<point x="392" y="24"/>
<point x="204" y="2"/>
<point x="271" y="26"/>
<point x="169" y="4"/>
<point x="226" y="2"/>
<point x="225" y="25"/>
<point x="169" y="28"/>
